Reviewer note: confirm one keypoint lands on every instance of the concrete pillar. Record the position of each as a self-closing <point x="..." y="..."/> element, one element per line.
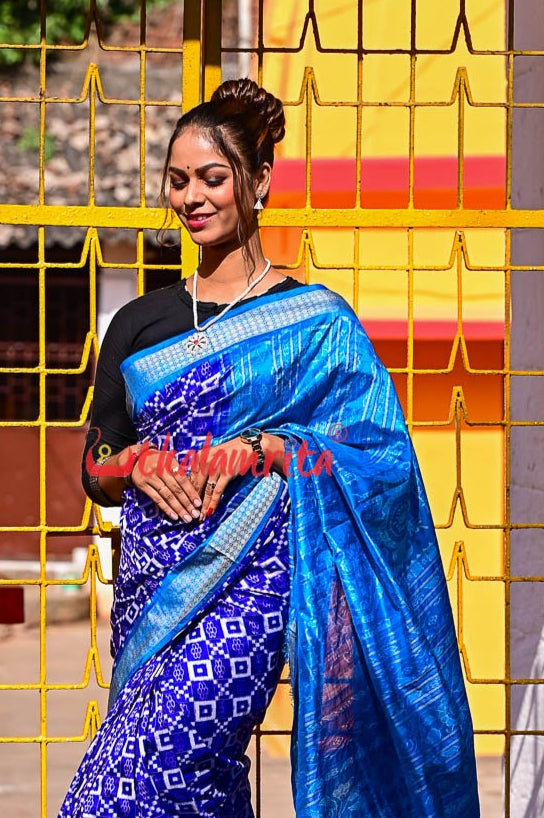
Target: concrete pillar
<point x="527" y="403"/>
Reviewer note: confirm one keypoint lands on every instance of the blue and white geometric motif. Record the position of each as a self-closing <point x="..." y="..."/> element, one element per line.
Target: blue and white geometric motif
<point x="182" y="724"/>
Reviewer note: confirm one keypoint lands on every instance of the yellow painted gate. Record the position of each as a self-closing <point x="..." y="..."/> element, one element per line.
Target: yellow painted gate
<point x="395" y="186"/>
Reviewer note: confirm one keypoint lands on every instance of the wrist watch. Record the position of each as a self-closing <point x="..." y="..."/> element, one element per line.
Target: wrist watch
<point x="253" y="437"/>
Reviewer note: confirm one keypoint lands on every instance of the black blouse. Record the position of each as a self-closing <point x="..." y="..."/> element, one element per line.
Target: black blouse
<point x="143" y="322"/>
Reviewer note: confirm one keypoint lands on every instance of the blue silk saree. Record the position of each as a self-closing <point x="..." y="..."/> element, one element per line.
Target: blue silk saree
<point x="337" y="566"/>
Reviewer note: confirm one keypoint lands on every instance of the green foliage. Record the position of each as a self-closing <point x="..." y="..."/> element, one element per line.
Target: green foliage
<point x="29" y="141"/>
<point x="66" y="22"/>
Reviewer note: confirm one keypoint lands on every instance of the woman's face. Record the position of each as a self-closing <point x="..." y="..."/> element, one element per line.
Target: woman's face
<point x="201" y="189"/>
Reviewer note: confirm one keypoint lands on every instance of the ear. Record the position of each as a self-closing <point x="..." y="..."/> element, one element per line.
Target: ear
<point x="262" y="180"/>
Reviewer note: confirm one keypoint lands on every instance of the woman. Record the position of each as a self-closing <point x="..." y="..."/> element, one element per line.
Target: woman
<point x="269" y="487"/>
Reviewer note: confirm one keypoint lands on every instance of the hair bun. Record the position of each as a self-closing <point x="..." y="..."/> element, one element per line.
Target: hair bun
<point x="244" y="94"/>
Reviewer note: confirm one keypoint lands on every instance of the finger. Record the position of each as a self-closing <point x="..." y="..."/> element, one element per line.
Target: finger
<point x="185" y="495"/>
<point x="184" y="483"/>
<point x="185" y="489"/>
<point x="163" y="488"/>
<point x="164" y="506"/>
<point x="177" y="500"/>
<point x="198" y="481"/>
<point x="163" y="495"/>
<point x="213" y="491"/>
<point x="180" y="487"/>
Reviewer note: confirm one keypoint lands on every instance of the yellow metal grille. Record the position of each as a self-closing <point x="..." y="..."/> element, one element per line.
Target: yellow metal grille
<point x="407" y="260"/>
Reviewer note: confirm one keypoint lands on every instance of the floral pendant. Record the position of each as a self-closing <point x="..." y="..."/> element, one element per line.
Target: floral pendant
<point x="197" y="343"/>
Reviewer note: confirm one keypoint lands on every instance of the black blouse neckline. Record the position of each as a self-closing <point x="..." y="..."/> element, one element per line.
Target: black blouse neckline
<point x="211" y="306"/>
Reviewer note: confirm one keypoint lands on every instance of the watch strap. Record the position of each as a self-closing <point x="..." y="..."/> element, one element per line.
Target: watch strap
<point x="253" y="437"/>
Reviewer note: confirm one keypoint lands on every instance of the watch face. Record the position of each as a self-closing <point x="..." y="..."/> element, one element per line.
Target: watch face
<point x="251" y="434"/>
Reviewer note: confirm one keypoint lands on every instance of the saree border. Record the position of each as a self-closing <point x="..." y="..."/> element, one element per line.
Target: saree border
<point x="189" y="586"/>
<point x="149" y="369"/>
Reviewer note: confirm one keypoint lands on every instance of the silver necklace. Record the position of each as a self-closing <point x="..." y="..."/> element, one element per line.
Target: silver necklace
<point x="197" y="342"/>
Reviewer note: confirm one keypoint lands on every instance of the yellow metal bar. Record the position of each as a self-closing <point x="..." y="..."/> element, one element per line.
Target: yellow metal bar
<point x="142" y="100"/>
<point x="43" y="515"/>
<point x="137" y="217"/>
<point x="213" y="10"/>
<point x="461" y="141"/>
<point x="410" y="340"/>
<point x="359" y="127"/>
<point x="140" y="249"/>
<point x="310" y="93"/>
<point x="191" y="54"/>
<point x="191" y="96"/>
<point x="507" y="544"/>
<point x="94" y="81"/>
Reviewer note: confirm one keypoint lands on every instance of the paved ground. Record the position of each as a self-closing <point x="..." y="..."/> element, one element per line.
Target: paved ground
<point x="67" y="647"/>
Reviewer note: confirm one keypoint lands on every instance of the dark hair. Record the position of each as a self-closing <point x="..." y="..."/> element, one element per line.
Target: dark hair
<point x="243" y="122"/>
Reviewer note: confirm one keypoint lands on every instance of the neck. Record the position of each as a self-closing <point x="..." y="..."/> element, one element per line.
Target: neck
<point x="232" y="265"/>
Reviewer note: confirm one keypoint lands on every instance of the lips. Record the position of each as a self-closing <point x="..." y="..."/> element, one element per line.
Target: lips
<point x="198" y="220"/>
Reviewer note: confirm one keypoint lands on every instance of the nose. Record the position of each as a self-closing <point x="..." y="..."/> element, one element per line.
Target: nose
<point x="193" y="194"/>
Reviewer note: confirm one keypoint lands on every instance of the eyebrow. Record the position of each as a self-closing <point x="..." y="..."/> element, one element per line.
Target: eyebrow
<point x="199" y="170"/>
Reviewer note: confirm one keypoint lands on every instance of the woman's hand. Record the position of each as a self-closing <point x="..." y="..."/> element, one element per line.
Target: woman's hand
<point x="232" y="459"/>
<point x="159" y="475"/>
<point x="189" y="494"/>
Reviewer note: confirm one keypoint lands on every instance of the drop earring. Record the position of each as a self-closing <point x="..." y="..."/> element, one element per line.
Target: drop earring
<point x="258" y="204"/>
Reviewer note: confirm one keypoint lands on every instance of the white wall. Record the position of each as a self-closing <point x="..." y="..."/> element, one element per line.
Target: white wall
<point x="527" y="456"/>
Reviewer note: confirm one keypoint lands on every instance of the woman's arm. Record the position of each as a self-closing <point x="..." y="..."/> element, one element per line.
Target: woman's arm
<point x="109" y="459"/>
<point x="111" y="429"/>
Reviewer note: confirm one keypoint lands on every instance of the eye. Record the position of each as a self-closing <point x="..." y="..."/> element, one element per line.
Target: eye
<point x="215" y="182"/>
<point x="177" y="184"/>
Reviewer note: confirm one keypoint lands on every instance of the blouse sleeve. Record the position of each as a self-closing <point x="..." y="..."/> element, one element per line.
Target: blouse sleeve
<point x="111" y="428"/>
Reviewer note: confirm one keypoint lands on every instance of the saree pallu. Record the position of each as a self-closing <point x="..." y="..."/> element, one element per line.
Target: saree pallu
<point x="381" y="723"/>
